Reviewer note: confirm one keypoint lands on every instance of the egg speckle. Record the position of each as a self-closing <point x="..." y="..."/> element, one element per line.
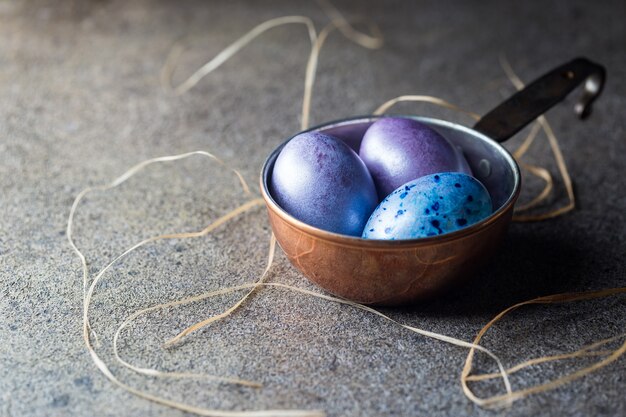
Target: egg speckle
<point x="429" y="206"/>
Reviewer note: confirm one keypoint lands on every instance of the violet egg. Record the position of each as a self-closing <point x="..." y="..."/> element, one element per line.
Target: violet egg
<point x="319" y="180"/>
<point x="397" y="150"/>
<point x="429" y="206"/>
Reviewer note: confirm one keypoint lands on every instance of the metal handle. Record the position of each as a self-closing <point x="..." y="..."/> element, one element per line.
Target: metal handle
<point x="526" y="105"/>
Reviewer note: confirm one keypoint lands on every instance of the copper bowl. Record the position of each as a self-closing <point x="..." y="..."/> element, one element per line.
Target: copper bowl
<point x="383" y="272"/>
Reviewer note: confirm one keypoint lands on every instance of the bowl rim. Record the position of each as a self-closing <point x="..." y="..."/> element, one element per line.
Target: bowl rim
<point x="352" y="241"/>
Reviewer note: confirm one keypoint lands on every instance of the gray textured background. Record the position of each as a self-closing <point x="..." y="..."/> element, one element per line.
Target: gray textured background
<point x="80" y="102"/>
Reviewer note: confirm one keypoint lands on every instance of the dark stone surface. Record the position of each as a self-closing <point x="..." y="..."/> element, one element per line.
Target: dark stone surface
<point x="80" y="102"/>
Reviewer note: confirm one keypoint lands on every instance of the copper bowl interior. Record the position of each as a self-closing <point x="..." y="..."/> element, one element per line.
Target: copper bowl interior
<point x="398" y="272"/>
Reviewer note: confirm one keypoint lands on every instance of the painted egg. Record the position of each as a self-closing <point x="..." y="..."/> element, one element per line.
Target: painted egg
<point x="429" y="206"/>
<point x="397" y="150"/>
<point x="319" y="180"/>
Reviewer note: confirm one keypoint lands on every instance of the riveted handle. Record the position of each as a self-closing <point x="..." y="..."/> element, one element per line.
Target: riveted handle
<point x="537" y="97"/>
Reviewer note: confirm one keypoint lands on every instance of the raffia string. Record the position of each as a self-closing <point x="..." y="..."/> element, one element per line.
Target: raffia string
<point x="373" y="41"/>
<point x="206" y="322"/>
<point x="424" y="99"/>
<point x="556" y="150"/>
<point x="369" y="41"/>
<point x="584" y="351"/>
<point x="88" y="294"/>
<point x="228" y="52"/>
<point x="499" y="400"/>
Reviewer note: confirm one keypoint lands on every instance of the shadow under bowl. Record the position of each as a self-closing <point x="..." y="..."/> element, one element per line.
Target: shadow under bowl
<point x="389" y="273"/>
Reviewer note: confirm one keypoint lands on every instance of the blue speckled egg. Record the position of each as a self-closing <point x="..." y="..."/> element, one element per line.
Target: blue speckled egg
<point x="319" y="180"/>
<point x="429" y="206"/>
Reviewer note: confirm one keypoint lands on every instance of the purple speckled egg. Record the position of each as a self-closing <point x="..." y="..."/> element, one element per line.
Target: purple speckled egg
<point x="397" y="150"/>
<point x="319" y="180"/>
